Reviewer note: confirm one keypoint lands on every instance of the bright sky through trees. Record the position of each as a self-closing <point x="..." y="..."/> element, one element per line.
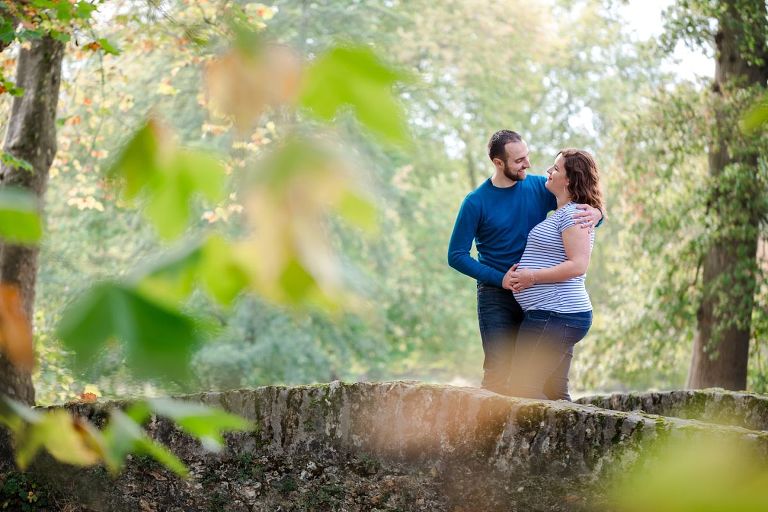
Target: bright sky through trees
<point x="644" y="18"/>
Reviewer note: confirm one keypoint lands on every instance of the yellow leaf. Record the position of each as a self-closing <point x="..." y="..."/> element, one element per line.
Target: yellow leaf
<point x="241" y="85"/>
<point x="65" y="438"/>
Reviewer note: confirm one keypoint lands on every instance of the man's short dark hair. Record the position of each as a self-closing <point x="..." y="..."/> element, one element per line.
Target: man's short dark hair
<point x="500" y="139"/>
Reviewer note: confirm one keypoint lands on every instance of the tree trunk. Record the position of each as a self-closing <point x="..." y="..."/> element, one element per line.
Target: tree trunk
<point x="471" y="169"/>
<point x="721" y="344"/>
<point x="31" y="136"/>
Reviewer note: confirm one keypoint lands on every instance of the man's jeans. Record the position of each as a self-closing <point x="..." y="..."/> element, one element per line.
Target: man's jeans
<point x="500" y="317"/>
<point x="543" y="354"/>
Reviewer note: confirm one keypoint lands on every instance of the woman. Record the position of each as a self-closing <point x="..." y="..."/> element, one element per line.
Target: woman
<point x="549" y="282"/>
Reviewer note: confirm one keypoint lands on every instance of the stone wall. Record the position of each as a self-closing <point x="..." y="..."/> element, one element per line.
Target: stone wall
<point x="711" y="405"/>
<point x="401" y="446"/>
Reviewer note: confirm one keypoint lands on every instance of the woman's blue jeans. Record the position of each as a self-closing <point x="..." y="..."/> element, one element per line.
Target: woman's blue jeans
<point x="544" y="351"/>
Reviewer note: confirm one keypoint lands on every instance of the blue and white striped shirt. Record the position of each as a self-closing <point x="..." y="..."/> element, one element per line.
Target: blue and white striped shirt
<point x="545" y="249"/>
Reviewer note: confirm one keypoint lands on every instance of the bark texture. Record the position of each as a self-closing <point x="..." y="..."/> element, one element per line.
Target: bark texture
<point x="721" y="344"/>
<point x="31" y="136"/>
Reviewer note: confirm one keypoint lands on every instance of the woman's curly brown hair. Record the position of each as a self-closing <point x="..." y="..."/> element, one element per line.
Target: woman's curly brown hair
<point x="583" y="177"/>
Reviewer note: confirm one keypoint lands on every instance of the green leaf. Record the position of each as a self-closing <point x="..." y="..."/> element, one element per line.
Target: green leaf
<point x="108" y="47"/>
<point x="170" y="199"/>
<point x="139" y="412"/>
<point x="221" y="273"/>
<point x="212" y="263"/>
<point x="171" y="278"/>
<point x="138" y="162"/>
<point x="60" y="36"/>
<point x="168" y="177"/>
<point x="7" y="30"/>
<point x="358" y="210"/>
<point x="123" y="435"/>
<point x="29" y="35"/>
<point x="158" y="340"/>
<point x="355" y="77"/>
<point x="11" y="161"/>
<point x="200" y="421"/>
<point x="84" y="9"/>
<point x="756" y="117"/>
<point x="298" y="185"/>
<point x="19" y="220"/>
<point x="296" y="281"/>
<point x="63" y="11"/>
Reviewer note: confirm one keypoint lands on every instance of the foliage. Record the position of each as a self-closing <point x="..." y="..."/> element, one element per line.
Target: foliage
<point x="19" y="221"/>
<point x="158" y="340"/>
<point x="75" y="441"/>
<point x="361" y="82"/>
<point x="571" y="76"/>
<point x="26" y="21"/>
<point x="21" y="491"/>
<point x="674" y="211"/>
<point x="287" y="262"/>
<point x="415" y="318"/>
<point x="692" y="475"/>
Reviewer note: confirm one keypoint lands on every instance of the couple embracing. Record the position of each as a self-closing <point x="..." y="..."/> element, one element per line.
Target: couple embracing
<point x="532" y="304"/>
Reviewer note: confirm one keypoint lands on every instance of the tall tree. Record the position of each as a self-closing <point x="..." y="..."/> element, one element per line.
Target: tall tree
<point x="31" y="136"/>
<point x="730" y="267"/>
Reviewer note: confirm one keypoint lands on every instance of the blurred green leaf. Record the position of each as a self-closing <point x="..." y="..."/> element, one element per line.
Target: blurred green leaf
<point x="693" y="475"/>
<point x="137" y="164"/>
<point x="11" y="161"/>
<point x="169" y="177"/>
<point x="187" y="173"/>
<point x="63" y="10"/>
<point x="200" y="421"/>
<point x="358" y="210"/>
<point x="756" y="117"/>
<point x="173" y="277"/>
<point x="123" y="435"/>
<point x="10" y="408"/>
<point x="7" y="30"/>
<point x="19" y="220"/>
<point x="60" y="36"/>
<point x="355" y="77"/>
<point x="84" y="9"/>
<point x="30" y="34"/>
<point x="108" y="47"/>
<point x="220" y="271"/>
<point x="158" y="340"/>
<point x="293" y="192"/>
<point x="210" y="263"/>
<point x="296" y="281"/>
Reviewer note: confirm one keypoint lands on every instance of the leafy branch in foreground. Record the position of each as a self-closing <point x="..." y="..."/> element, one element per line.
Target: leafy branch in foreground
<point x="288" y="196"/>
<point x="74" y="440"/>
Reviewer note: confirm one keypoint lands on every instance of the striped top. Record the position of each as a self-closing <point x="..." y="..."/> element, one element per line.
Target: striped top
<point x="545" y="249"/>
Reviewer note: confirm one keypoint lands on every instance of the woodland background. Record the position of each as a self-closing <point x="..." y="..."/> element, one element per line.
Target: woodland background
<point x="562" y="74"/>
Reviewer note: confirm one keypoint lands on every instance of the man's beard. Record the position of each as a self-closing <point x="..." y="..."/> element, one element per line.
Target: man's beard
<point x="513" y="177"/>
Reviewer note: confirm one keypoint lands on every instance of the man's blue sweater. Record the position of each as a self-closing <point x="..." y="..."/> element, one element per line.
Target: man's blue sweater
<point x="498" y="220"/>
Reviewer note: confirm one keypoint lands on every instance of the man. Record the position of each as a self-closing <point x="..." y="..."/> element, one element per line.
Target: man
<point x="498" y="216"/>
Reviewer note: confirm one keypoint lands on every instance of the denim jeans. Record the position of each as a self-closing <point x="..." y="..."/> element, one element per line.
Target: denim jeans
<point x="499" y="316"/>
<point x="543" y="353"/>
